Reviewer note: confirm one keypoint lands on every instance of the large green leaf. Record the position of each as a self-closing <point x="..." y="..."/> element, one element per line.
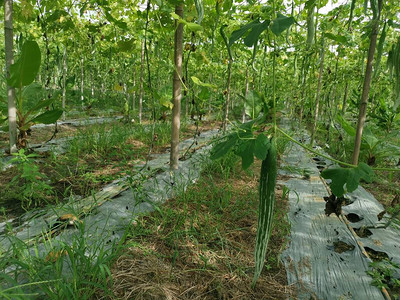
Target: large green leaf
<point x="24" y="71"/>
<point x="227" y="5"/>
<point x="237" y="34"/>
<point x="47" y="117"/>
<point x="246" y="130"/>
<point x="246" y="151"/>
<point x="261" y="146"/>
<point x="281" y="23"/>
<point x="197" y="81"/>
<point x="339" y="179"/>
<point x="347" y="179"/>
<point x="255" y="32"/>
<point x="350" y="130"/>
<point x="224" y="147"/>
<point x="111" y="19"/>
<point x="193" y="26"/>
<point x="3" y="119"/>
<point x="32" y="91"/>
<point x="70" y="81"/>
<point x="253" y="104"/>
<point x="366" y="172"/>
<point x="41" y="104"/>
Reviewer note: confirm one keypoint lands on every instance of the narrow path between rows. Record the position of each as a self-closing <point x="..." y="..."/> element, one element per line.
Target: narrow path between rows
<point x="325" y="258"/>
<point x="106" y="214"/>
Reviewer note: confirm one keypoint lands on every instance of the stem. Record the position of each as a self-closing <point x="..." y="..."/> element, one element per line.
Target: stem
<point x="321" y="72"/>
<point x="366" y="87"/>
<point x="177" y="90"/>
<point x="313" y="151"/>
<point x="9" y="60"/>
<point x="328" y="157"/>
<point x="146" y="52"/>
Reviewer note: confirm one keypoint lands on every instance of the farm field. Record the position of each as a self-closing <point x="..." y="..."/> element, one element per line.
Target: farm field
<point x="202" y="149"/>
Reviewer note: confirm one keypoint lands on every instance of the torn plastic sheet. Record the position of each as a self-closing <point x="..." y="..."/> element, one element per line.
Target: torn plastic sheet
<point x="324" y="258"/>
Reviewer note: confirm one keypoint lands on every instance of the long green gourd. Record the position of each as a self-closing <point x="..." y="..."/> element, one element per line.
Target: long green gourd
<point x="266" y="208"/>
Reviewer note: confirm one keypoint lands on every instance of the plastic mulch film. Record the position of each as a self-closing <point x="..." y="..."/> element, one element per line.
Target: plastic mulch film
<point x="325" y="258"/>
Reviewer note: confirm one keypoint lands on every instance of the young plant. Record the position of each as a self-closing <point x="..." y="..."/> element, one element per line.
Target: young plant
<point x="383" y="275"/>
<point x="22" y="75"/>
<point x="34" y="184"/>
<point x="386" y="116"/>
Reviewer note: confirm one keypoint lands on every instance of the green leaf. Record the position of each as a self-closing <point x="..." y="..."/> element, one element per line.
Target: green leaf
<point x="261" y="146"/>
<point x="309" y="4"/>
<point x="255" y="32"/>
<point x="281" y="23"/>
<point x="393" y="24"/>
<point x="224" y="147"/>
<point x="197" y="81"/>
<point x="246" y="130"/>
<point x="111" y="19"/>
<point x="194" y="26"/>
<point x="253" y="104"/>
<point x="166" y="102"/>
<point x="31" y="91"/>
<point x="47" y="117"/>
<point x="339" y="178"/>
<point x="367" y="173"/>
<point x="350" y="130"/>
<point x="41" y="104"/>
<point x="347" y="178"/>
<point x="24" y="71"/>
<point x="126" y="46"/>
<point x="246" y="151"/>
<point x="175" y="2"/>
<point x="175" y="16"/>
<point x="353" y="180"/>
<point x="3" y="120"/>
<point x="70" y="81"/>
<point x="338" y="38"/>
<point x="227" y="5"/>
<point x="237" y="34"/>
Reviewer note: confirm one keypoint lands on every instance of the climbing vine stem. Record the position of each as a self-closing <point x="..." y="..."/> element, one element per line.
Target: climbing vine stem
<point x="273" y="77"/>
<point x="330" y="158"/>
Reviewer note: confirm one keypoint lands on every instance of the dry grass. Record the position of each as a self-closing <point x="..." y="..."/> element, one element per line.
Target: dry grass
<point x="195" y="248"/>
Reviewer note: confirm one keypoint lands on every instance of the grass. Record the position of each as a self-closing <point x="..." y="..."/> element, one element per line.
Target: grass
<point x="96" y="155"/>
<point x="78" y="270"/>
<point x="200" y="245"/>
